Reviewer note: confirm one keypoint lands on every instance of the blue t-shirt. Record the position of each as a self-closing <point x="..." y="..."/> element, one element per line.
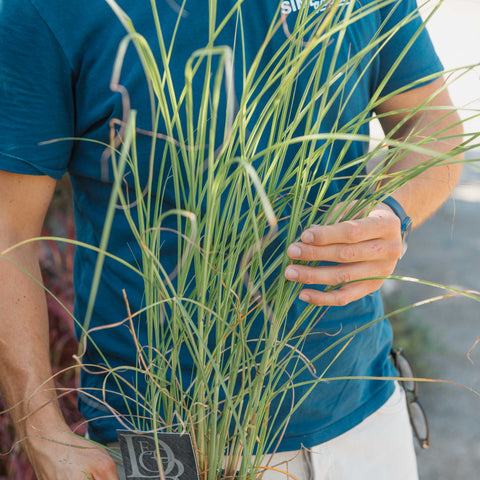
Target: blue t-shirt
<point x="56" y="60"/>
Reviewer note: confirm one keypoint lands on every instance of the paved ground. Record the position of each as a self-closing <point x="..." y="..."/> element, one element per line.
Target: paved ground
<point x="446" y="250"/>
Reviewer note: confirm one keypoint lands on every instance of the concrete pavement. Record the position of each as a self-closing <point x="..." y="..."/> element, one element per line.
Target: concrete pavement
<point x="446" y="250"/>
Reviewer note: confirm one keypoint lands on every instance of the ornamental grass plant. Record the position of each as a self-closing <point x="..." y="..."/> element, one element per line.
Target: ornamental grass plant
<point x="226" y="301"/>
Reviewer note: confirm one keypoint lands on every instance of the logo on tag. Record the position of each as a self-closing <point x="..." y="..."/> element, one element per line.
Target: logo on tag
<point x="142" y="457"/>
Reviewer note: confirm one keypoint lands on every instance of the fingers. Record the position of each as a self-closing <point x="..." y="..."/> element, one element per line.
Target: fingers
<point x="372" y="238"/>
<point x="69" y="457"/>
<point x="358" y="249"/>
<point x="342" y="296"/>
<point x="337" y="274"/>
<point x="381" y="223"/>
<point x="104" y="469"/>
<point x="93" y="464"/>
<point x="347" y="253"/>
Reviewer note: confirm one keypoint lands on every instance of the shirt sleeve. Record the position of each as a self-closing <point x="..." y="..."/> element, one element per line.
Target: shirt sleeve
<point x="410" y="43"/>
<point x="37" y="111"/>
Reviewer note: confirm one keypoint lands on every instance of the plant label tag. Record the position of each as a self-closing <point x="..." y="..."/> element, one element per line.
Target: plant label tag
<point x="139" y="454"/>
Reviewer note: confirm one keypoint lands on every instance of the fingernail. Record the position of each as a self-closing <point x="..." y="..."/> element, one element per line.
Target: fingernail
<point x="307" y="237"/>
<point x="305" y="297"/>
<point x="294" y="251"/>
<point x="291" y="273"/>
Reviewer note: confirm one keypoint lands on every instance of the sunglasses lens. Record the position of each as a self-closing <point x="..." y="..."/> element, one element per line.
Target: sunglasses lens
<point x="405" y="370"/>
<point x="418" y="419"/>
<point x="419" y="422"/>
<point x="409" y="385"/>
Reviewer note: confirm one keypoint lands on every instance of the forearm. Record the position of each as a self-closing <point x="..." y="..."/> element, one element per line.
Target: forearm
<point x="26" y="380"/>
<point x="436" y="127"/>
<point x="423" y="195"/>
<point x="25" y="373"/>
<point x="25" y="377"/>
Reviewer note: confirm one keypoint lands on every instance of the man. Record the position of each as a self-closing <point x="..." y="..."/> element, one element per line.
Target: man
<point x="56" y="60"/>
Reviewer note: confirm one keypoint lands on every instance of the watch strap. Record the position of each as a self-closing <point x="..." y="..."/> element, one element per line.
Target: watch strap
<point x="405" y="220"/>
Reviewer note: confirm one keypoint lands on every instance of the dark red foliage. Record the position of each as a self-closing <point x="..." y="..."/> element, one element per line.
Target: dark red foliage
<point x="56" y="260"/>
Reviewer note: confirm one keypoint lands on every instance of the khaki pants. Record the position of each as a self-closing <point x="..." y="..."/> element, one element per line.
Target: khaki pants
<point x="379" y="448"/>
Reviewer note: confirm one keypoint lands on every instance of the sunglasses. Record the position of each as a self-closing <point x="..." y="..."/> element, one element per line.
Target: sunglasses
<point x="418" y="418"/>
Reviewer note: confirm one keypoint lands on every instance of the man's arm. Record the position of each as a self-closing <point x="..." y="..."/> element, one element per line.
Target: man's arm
<point x="371" y="246"/>
<point x="25" y="376"/>
<point x="422" y="196"/>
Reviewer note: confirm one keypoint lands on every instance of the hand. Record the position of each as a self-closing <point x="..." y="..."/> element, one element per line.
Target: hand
<point x="361" y="248"/>
<point x="66" y="456"/>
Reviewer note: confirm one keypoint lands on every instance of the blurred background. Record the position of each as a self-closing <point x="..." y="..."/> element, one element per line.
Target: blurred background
<point x="446" y="250"/>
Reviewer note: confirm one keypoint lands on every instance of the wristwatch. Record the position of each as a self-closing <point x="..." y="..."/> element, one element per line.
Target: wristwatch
<point x="405" y="220"/>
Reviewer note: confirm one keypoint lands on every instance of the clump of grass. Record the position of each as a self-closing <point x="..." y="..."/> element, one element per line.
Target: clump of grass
<point x="226" y="302"/>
